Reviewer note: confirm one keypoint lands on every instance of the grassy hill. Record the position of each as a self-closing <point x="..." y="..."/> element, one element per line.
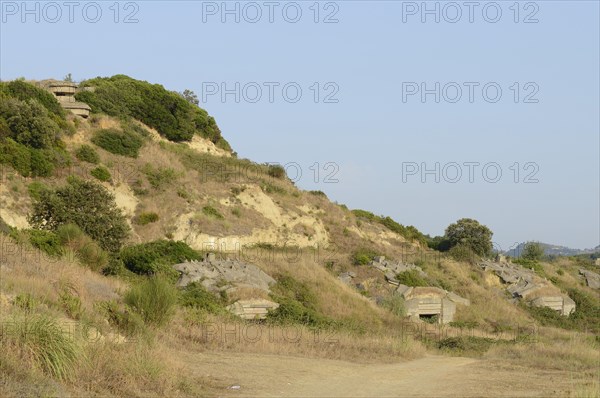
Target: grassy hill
<point x="95" y="212"/>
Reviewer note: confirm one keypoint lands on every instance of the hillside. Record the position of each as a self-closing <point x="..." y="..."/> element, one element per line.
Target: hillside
<point x="552" y="250"/>
<point x="99" y="215"/>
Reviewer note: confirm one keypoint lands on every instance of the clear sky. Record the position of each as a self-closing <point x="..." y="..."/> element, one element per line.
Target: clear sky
<point x="518" y="95"/>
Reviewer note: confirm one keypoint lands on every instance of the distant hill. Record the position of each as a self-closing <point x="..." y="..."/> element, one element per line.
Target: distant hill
<point x="552" y="250"/>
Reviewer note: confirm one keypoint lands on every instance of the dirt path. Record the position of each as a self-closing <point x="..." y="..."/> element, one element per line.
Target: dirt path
<point x="432" y="376"/>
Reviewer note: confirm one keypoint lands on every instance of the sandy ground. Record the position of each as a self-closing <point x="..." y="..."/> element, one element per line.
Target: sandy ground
<point x="260" y="375"/>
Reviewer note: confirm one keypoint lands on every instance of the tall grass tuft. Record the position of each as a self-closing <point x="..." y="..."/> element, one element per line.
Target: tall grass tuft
<point x="41" y="340"/>
<point x="154" y="299"/>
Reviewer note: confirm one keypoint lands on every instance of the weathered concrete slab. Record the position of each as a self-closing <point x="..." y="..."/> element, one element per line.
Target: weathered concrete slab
<point x="591" y="278"/>
<point x="216" y="275"/>
<point x="252" y="309"/>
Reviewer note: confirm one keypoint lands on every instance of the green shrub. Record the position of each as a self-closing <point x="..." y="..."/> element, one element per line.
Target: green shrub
<point x="26" y="302"/>
<point x="170" y="114"/>
<point x="70" y="303"/>
<point x="46" y="241"/>
<point x="318" y="193"/>
<point x="409" y="232"/>
<point x="36" y="188"/>
<point x="157" y="257"/>
<point x="276" y="171"/>
<point x="86" y="204"/>
<point x="272" y="188"/>
<point x="411" y="278"/>
<point x="153" y="299"/>
<point x="236" y="211"/>
<point x="158" y="177"/>
<point x="297" y="304"/>
<point x="210" y="211"/>
<point x="117" y="142"/>
<point x="466" y="344"/>
<point x="86" y="153"/>
<point x="41" y="339"/>
<point x="128" y="322"/>
<point x="101" y="173"/>
<point x="146" y="218"/>
<point x="462" y="253"/>
<point x="363" y="256"/>
<point x="194" y="295"/>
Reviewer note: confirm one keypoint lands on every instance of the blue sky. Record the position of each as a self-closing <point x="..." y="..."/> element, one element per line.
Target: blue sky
<point x="366" y="126"/>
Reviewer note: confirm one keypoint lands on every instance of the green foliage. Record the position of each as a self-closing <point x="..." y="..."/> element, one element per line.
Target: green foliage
<point x="125" y="143"/>
<point x="194" y="295"/>
<point x="87" y="251"/>
<point x="411" y="278"/>
<point x="158" y="177"/>
<point x="276" y="171"/>
<point x="533" y="251"/>
<point x="318" y="193"/>
<point x="86" y="204"/>
<point x="269" y="188"/>
<point x="586" y="317"/>
<point x="408" y="232"/>
<point x="154" y="299"/>
<point x="146" y="218"/>
<point x="42" y="339"/>
<point x="439" y="243"/>
<point x="470" y="233"/>
<point x="210" y="211"/>
<point x="168" y="112"/>
<point x="297" y="304"/>
<point x="466" y="344"/>
<point x="70" y="302"/>
<point x="101" y="173"/>
<point x="531" y="264"/>
<point x="395" y="304"/>
<point x="86" y="153"/>
<point x="363" y="256"/>
<point x="26" y="302"/>
<point x="157" y="257"/>
<point x="35" y="189"/>
<point x="463" y="253"/>
<point x="128" y="322"/>
<point x="30" y="162"/>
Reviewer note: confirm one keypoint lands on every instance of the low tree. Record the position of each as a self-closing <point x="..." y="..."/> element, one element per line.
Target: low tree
<point x="190" y="96"/>
<point x="86" y="204"/>
<point x="471" y="234"/>
<point x="533" y="251"/>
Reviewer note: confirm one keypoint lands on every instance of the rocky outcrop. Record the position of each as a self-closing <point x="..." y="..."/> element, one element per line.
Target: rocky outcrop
<point x="524" y="284"/>
<point x="391" y="269"/>
<point x="217" y="275"/>
<point x="591" y="278"/>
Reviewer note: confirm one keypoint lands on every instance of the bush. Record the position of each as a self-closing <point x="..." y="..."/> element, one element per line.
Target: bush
<point x="46" y="241"/>
<point x="128" y="322"/>
<point x="125" y="143"/>
<point x="276" y="171"/>
<point x="146" y="218"/>
<point x="153" y="299"/>
<point x="87" y="251"/>
<point x="170" y="114"/>
<point x="318" y="193"/>
<point x="462" y="253"/>
<point x="86" y="153"/>
<point x="297" y="304"/>
<point x="35" y="189"/>
<point x="86" y="204"/>
<point x="411" y="278"/>
<point x="101" y="173"/>
<point x="212" y="212"/>
<point x="196" y="296"/>
<point x="41" y="339"/>
<point x="409" y="232"/>
<point x="363" y="256"/>
<point x="156" y="257"/>
<point x="462" y="344"/>
<point x="533" y="251"/>
<point x="159" y="177"/>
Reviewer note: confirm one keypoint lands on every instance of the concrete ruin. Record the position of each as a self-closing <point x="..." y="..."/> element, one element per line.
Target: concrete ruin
<point x="217" y="275"/>
<point x="391" y="269"/>
<point x="524" y="284"/>
<point x="592" y="279"/>
<point x="252" y="309"/>
<point x="65" y="94"/>
<point x="420" y="302"/>
<point x="426" y="302"/>
<point x="228" y="275"/>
